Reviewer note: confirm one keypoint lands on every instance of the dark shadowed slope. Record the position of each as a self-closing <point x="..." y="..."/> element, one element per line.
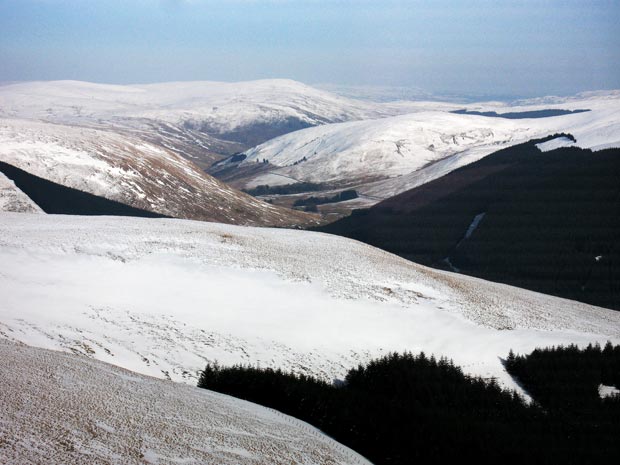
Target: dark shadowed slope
<point x="58" y="199"/>
<point x="546" y="221"/>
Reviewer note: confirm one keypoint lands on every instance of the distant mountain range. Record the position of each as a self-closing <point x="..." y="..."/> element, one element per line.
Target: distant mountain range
<point x="217" y="116"/>
<point x="148" y="146"/>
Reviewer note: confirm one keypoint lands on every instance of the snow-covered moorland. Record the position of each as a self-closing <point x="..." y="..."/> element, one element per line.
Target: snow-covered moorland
<point x="202" y="121"/>
<point x="62" y="408"/>
<point x="137" y="140"/>
<point x="163" y="297"/>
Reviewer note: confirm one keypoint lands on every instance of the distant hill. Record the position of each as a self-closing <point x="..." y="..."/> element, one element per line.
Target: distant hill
<point x="546" y="221"/>
<point x="203" y="121"/>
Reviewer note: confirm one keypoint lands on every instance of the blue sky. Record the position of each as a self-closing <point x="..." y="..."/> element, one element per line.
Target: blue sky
<point x="501" y="48"/>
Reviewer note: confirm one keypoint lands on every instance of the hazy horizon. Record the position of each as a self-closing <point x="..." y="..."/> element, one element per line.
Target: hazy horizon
<point x="458" y="48"/>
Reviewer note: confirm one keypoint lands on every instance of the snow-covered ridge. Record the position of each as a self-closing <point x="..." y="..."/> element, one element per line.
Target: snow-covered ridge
<point x="163" y="297"/>
<point x="563" y="100"/>
<point x="200" y="121"/>
<point x="64" y="408"/>
<point x="219" y="107"/>
<point x="381" y="149"/>
<point x="384" y="148"/>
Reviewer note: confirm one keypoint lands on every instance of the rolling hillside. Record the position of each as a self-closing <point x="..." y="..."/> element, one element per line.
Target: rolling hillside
<point x="201" y="120"/>
<point x="163" y="297"/>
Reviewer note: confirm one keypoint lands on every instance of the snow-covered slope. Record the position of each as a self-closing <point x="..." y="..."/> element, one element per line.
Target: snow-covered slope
<point x="63" y="408"/>
<point x="366" y="150"/>
<point x="367" y="146"/>
<point x="12" y="199"/>
<point x="163" y="297"/>
<point x="129" y="170"/>
<point x="387" y="156"/>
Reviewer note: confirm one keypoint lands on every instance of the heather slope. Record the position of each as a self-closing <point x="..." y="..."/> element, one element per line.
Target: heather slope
<point x="126" y="169"/>
<point x="66" y="408"/>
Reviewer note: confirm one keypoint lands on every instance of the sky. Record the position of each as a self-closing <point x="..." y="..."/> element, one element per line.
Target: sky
<point x="491" y="48"/>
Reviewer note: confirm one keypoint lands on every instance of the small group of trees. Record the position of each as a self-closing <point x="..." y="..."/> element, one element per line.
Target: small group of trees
<point x="349" y="194"/>
<point x="296" y="188"/>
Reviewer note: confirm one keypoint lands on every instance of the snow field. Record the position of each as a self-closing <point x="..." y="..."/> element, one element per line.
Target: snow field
<point x="164" y="297"/>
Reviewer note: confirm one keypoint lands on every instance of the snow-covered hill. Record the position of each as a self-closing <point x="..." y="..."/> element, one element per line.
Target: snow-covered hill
<point x="366" y="150"/>
<point x="129" y="170"/>
<point x="387" y="156"/>
<point x="163" y="297"/>
<point x="229" y="110"/>
<point x="63" y="408"/>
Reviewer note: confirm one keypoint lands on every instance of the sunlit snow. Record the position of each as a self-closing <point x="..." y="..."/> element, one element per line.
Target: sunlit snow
<point x="163" y="297"/>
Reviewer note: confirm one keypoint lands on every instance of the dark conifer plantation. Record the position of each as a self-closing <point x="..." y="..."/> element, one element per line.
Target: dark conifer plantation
<point x="566" y="380"/>
<point x="286" y="189"/>
<point x="404" y="409"/>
